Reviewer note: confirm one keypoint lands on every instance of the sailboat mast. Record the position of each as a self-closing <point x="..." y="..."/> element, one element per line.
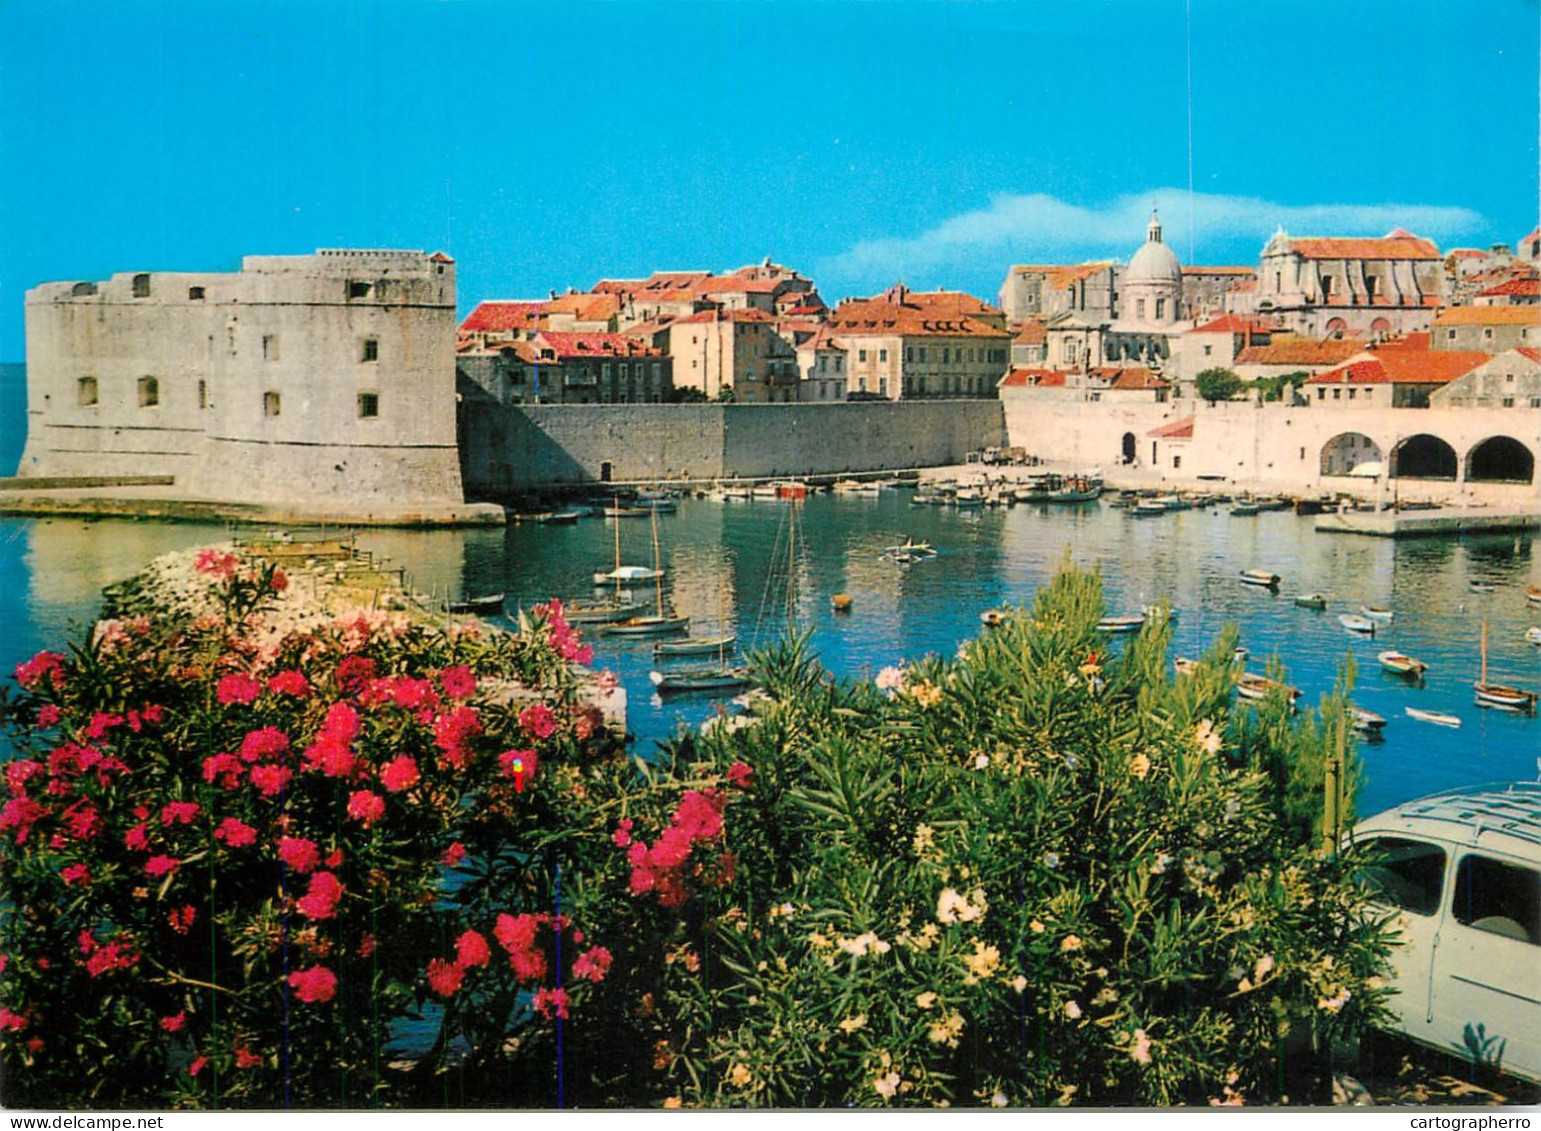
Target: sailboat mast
<point x="657" y="564"/>
<point x="1484" y="651"/>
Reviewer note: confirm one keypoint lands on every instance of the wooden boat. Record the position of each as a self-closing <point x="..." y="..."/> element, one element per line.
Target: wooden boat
<point x="628" y="512"/>
<point x="1498" y="695"/>
<point x="1316" y="601"/>
<point x="1376" y="613"/>
<point x="622" y="576"/>
<point x="695" y="646"/>
<point x="840" y="602"/>
<point x="1438" y="718"/>
<point x="1077" y="491"/>
<point x="655" y="624"/>
<point x="1257" y="687"/>
<point x="1261" y="578"/>
<point x="1245" y="510"/>
<point x="701" y="679"/>
<point x="1477" y="586"/>
<point x="1368" y="721"/>
<point x="1148" y="508"/>
<point x="1185" y="666"/>
<point x="601" y="612"/>
<point x="488" y="606"/>
<point x="1356" y="623"/>
<point x="558" y="518"/>
<point x="792" y="489"/>
<point x="1272" y="503"/>
<point x="1533" y="594"/>
<point x="1121" y="624"/>
<point x="1402" y="664"/>
<point x="993" y="618"/>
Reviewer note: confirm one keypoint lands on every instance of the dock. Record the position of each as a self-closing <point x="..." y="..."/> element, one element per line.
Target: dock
<point x="1445" y="522"/>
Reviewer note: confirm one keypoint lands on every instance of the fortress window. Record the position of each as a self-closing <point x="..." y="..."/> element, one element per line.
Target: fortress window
<point x="87" y="392"/>
<point x="368" y="405"/>
<point x="357" y="289"/>
<point x="272" y="404"/>
<point x="269" y="347"/>
<point x="195" y="293"/>
<point x="203" y="394"/>
<point x="149" y="392"/>
<point x="141" y="286"/>
<point x="370" y="350"/>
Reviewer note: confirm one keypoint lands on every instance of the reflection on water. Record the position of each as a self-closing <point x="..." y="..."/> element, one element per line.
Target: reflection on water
<point x="729" y="567"/>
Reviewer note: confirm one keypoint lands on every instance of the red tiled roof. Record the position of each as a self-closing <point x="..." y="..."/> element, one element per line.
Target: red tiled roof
<point x="439" y="257"/>
<point x="1467" y="253"/>
<point x="1530" y="353"/>
<point x="1417" y="340"/>
<point x="1236" y="324"/>
<point x="917" y="313"/>
<point x="736" y="284"/>
<point x="1489" y="316"/>
<point x="749" y="314"/>
<point x="1397" y="245"/>
<point x="567" y="344"/>
<point x="1032" y="332"/>
<point x="1524" y="288"/>
<point x="1128" y="377"/>
<point x="1035" y="378"/>
<point x="1177" y="430"/>
<point x="1299" y="351"/>
<point x="493" y="317"/>
<point x="1403" y="367"/>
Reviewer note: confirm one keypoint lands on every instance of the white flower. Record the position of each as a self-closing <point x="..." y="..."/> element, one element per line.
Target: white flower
<point x="1072" y="1010"/>
<point x="981" y="761"/>
<point x="926" y="1000"/>
<point x="1019" y="983"/>
<point x="887" y="1085"/>
<point x="1264" y="965"/>
<point x="1051" y="859"/>
<point x="1139" y="1050"/>
<point x="998" y="1100"/>
<point x="890" y="679"/>
<point x="1208" y="736"/>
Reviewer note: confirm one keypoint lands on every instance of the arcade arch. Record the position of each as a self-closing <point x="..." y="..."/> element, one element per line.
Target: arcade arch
<point x="1424" y="457"/>
<point x="1347" y="450"/>
<point x="1500" y="459"/>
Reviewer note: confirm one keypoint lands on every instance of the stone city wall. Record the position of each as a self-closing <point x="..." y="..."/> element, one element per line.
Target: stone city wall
<point x="506" y="449"/>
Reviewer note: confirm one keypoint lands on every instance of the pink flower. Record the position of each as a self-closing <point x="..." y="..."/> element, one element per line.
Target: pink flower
<point x="592" y="965"/>
<point x="548" y="1002"/>
<point x="161" y="865"/>
<point x="332" y="756"/>
<point x="245" y="1058"/>
<point x="216" y="563"/>
<point x="179" y="812"/>
<point x="316" y="984"/>
<point x="239" y="687"/>
<point x="298" y="853"/>
<point x="76" y="874"/>
<point x="622" y="834"/>
<point x="453" y="855"/>
<point x="45" y="665"/>
<point x="320" y="902"/>
<point x="270" y="780"/>
<point x="444" y="977"/>
<point x="279" y="581"/>
<point x="519" y="765"/>
<point x="354" y="674"/>
<point x="269" y="742"/>
<point x="458" y="682"/>
<point x="399" y="774"/>
<point x="182" y="918"/>
<point x="739" y="774"/>
<point x="101" y="723"/>
<point x="137" y="839"/>
<point x="342" y="721"/>
<point x="538" y="721"/>
<point x="223" y="768"/>
<point x="20" y="772"/>
<point x="175" y="1022"/>
<point x="235" y="832"/>
<point x="290" y="682"/>
<point x="365" y="806"/>
<point x="451" y="732"/>
<point x="11" y="1022"/>
<point x="471" y="949"/>
<point x="83" y="820"/>
<point x="198" y="1065"/>
<point x="517" y="934"/>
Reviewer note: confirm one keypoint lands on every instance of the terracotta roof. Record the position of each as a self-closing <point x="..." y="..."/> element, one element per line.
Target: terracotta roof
<point x="1397" y="245"/>
<point x="1299" y="351"/>
<point x="1467" y="253"/>
<point x="1128" y="377"/>
<point x="1518" y="287"/>
<point x="576" y="344"/>
<point x="1489" y="316"/>
<point x="735" y="284"/>
<point x="1403" y="367"/>
<point x="741" y="315"/>
<point x="439" y="257"/>
<point x="1530" y="353"/>
<point x="1034" y="378"/>
<point x="1032" y="332"/>
<point x="917" y="313"/>
<point x="1417" y="340"/>
<point x="492" y="317"/>
<point x="1177" y="430"/>
<point x="1236" y="324"/>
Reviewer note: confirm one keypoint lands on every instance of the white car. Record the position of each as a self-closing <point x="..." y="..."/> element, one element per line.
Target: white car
<point x="1462" y="869"/>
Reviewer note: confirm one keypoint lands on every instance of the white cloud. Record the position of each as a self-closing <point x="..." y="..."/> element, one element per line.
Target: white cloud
<point x="1037" y="228"/>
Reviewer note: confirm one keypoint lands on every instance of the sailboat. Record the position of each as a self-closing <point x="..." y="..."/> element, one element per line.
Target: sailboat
<point x="720" y="676"/>
<point x="657" y="623"/>
<point x="623" y="575"/>
<point x="1499" y="695"/>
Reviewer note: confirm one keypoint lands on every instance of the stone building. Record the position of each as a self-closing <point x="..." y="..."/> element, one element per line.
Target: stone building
<point x="309" y="377"/>
<point x="1087" y="289"/>
<point x="1510" y="380"/>
<point x="1391" y="376"/>
<point x="1491" y="329"/>
<point x="735" y="349"/>
<point x="558" y="367"/>
<point x="907" y="344"/>
<point x="1326" y="288"/>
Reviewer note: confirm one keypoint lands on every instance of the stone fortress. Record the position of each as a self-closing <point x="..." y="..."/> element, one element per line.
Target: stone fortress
<point x="319" y="382"/>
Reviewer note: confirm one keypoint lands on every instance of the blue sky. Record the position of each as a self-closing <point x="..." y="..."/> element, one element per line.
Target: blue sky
<point x="549" y="145"/>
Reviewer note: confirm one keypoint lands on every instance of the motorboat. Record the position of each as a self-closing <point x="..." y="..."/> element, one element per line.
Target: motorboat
<point x="1364" y="626"/>
<point x="1249" y="685"/>
<point x="1121" y="624"/>
<point x="1402" y="664"/>
<point x="1368" y="722"/>
<point x="1261" y="578"/>
<point x="721" y="678"/>
<point x="1317" y="601"/>
<point x="1377" y="613"/>
<point x="1438" y="718"/>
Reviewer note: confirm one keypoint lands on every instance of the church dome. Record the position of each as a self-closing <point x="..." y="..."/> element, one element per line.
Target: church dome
<point x="1155" y="262"/>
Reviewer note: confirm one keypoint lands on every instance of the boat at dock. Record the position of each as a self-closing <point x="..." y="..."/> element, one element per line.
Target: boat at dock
<point x="490" y="605"/>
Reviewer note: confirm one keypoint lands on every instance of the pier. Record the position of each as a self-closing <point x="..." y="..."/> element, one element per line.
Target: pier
<point x="1446" y="521"/>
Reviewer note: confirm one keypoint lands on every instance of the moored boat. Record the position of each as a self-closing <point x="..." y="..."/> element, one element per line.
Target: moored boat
<point x="1505" y="698"/>
<point x="600" y="612"/>
<point x="701" y="679"/>
<point x="622" y="576"/>
<point x="1533" y="634"/>
<point x="1148" y="508"/>
<point x="992" y="618"/>
<point x="1533" y="594"/>
<point x="1401" y="663"/>
<point x="1476" y="585"/>
<point x="1249" y="685"/>
<point x="1377" y="613"/>
<point x="486" y="606"/>
<point x="1368" y="721"/>
<point x="840" y="602"/>
<point x="1261" y="578"/>
<point x="1122" y="624"/>
<point x="1364" y="626"/>
<point x="1438" y="718"/>
<point x="695" y="646"/>
<point x="1245" y="509"/>
<point x="1316" y="601"/>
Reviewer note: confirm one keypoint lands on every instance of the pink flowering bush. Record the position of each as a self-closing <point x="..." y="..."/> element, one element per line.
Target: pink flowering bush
<point x="249" y="862"/>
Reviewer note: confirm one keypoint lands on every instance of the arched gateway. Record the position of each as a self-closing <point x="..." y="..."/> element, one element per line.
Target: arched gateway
<point x="1346" y="451"/>
<point x="1500" y="459"/>
<point x="1423" y="457"/>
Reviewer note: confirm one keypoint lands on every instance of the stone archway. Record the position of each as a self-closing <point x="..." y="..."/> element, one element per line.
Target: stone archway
<point x="1500" y="459"/>
<point x="1336" y="327"/>
<point x="1348" y="450"/>
<point x="1424" y="457"/>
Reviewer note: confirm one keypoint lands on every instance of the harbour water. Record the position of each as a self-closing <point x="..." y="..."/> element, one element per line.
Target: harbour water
<point x="748" y="568"/>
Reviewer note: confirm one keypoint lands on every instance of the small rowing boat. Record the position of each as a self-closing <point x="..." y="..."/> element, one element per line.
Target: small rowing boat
<point x="1402" y="664"/>
<point x="1533" y="634"/>
<point x="1121" y="624"/>
<point x="1317" y="601"/>
<point x="1256" y="687"/>
<point x="992" y="618"/>
<point x="1364" y="626"/>
<point x="1261" y="578"/>
<point x="840" y="602"/>
<point x="489" y="606"/>
<point x="1368" y="721"/>
<point x="1375" y="612"/>
<point x="695" y="646"/>
<point x="1533" y="594"/>
<point x="1438" y="718"/>
<point x="701" y="679"/>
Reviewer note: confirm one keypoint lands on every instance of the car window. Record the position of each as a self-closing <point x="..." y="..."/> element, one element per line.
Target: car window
<point x="1498" y="897"/>
<point x="1408" y="873"/>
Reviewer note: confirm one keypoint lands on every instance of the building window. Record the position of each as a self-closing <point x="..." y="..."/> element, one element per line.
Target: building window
<point x="195" y="294"/>
<point x="909" y="353"/>
<point x="1351" y="393"/>
<point x="1449" y="335"/>
<point x="861" y="355"/>
<point x="86" y="392"/>
<point x="149" y="392"/>
<point x="1208" y="350"/>
<point x="203" y="394"/>
<point x="357" y="289"/>
<point x="370" y="350"/>
<point x="922" y="353"/>
<point x="1177" y="461"/>
<point x="1326" y="286"/>
<point x="368" y="405"/>
<point x="839" y="361"/>
<point x="272" y="403"/>
<point x="1508" y="402"/>
<point x="269" y="347"/>
<point x="604" y="371"/>
<point x="141" y="286"/>
<point x="1160" y="309"/>
<point x="882" y="355"/>
<point x="1368" y="393"/>
<point x="1321" y="394"/>
<point x="1139" y="309"/>
<point x="1337" y="394"/>
<point x="1488" y="333"/>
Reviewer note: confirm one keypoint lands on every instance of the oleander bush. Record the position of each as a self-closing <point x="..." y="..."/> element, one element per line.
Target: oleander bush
<point x="261" y="856"/>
